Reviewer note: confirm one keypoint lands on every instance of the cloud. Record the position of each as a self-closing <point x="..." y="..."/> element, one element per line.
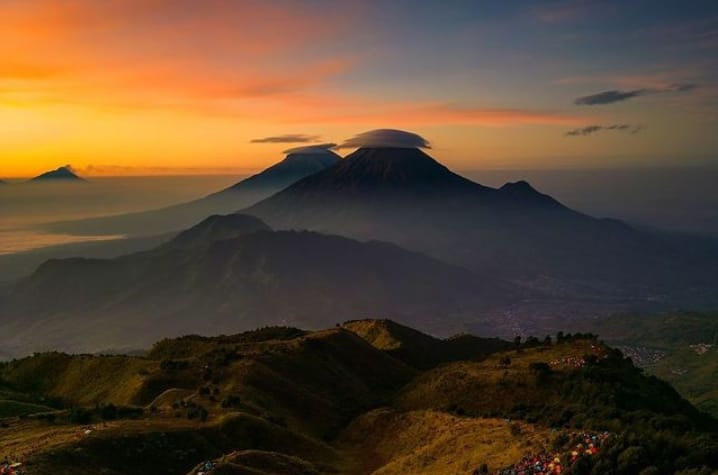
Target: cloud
<point x="317" y="148"/>
<point x="287" y="138"/>
<point x="609" y="97"/>
<point x="567" y="11"/>
<point x="386" y="138"/>
<point x="592" y="129"/>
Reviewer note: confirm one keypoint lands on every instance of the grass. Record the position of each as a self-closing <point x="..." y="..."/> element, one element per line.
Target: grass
<point x="80" y="380"/>
<point x="388" y="442"/>
<point x="694" y="376"/>
<point x="326" y="402"/>
<point x="9" y="408"/>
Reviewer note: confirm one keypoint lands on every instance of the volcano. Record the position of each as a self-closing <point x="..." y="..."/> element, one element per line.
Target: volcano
<point x="403" y="195"/>
<point x="64" y="174"/>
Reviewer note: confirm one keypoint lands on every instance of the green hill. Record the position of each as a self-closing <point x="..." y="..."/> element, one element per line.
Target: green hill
<point x="418" y="349"/>
<point x="284" y="401"/>
<point x="680" y="348"/>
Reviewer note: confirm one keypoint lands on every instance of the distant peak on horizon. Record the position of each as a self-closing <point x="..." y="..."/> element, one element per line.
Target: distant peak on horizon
<point x="386" y="138"/>
<point x="61" y="173"/>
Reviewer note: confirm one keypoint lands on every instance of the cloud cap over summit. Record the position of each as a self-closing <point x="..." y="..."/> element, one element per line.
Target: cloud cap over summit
<point x="316" y="148"/>
<point x="391" y="138"/>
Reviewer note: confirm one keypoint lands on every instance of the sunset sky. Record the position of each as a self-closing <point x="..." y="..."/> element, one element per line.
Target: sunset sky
<point x="117" y="87"/>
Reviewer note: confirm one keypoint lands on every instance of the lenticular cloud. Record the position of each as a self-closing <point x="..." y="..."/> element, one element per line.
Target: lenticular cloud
<point x="386" y="138"/>
<point x="317" y="148"/>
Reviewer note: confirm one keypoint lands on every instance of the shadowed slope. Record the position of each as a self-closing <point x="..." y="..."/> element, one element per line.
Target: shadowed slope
<point x="405" y="196"/>
<point x="202" y="282"/>
<point x="419" y="349"/>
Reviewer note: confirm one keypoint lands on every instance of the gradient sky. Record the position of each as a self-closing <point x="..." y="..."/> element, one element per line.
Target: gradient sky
<point x="166" y="86"/>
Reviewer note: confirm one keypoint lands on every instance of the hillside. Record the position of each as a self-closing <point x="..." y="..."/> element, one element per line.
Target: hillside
<point x="681" y="348"/>
<point x="223" y="276"/>
<point x="419" y="349"/>
<point x="285" y="401"/>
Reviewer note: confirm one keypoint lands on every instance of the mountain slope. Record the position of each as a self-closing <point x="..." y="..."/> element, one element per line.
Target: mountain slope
<point x="681" y="348"/>
<point x="283" y="400"/>
<point x="404" y="196"/>
<point x="227" y="285"/>
<point x="295" y="166"/>
<point x="418" y="349"/>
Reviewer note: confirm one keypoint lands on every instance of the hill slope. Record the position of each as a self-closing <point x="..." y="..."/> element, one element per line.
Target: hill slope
<point x="282" y="400"/>
<point x="681" y="348"/>
<point x="196" y="283"/>
<point x="419" y="349"/>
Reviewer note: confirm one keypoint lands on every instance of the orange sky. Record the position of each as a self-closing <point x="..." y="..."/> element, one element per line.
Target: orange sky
<point x="132" y="86"/>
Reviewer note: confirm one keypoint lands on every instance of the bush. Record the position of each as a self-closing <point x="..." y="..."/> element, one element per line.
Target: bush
<point x="231" y="401"/>
<point x="80" y="416"/>
<point x="173" y="365"/>
<point x="108" y="412"/>
<point x="631" y="460"/>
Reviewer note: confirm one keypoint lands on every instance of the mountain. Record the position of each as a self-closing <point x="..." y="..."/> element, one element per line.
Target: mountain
<point x="60" y="174"/>
<point x="231" y="273"/>
<point x="282" y="400"/>
<point x="403" y="195"/>
<point x="297" y="165"/>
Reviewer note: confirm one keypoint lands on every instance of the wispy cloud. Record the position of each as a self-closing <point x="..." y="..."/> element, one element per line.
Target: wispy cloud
<point x="567" y="11"/>
<point x="287" y="138"/>
<point x="592" y="129"/>
<point x="609" y="97"/>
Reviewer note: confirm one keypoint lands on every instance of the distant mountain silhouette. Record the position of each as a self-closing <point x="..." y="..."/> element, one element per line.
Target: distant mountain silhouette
<point x="232" y="273"/>
<point x="404" y="196"/>
<point x="60" y="174"/>
<point x="177" y="217"/>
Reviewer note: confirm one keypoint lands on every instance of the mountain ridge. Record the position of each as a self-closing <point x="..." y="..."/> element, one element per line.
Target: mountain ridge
<point x="232" y="274"/>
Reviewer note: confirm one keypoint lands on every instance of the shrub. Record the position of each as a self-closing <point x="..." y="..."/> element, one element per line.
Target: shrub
<point x="108" y="412"/>
<point x="231" y="401"/>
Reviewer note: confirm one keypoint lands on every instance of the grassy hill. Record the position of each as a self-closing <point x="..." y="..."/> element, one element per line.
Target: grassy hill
<point x="680" y="348"/>
<point x="387" y="441"/>
<point x="285" y="401"/>
<point x="418" y="349"/>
